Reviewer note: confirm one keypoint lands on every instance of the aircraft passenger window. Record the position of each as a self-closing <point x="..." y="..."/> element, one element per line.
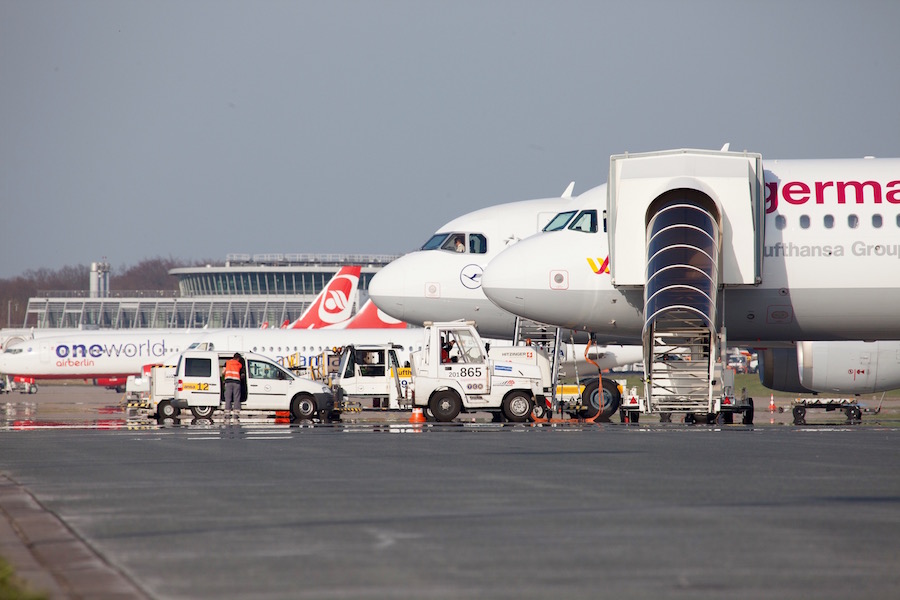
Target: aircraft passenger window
<point x="804" y="221"/>
<point x="829" y="221"/>
<point x="876" y="221"/>
<point x="586" y="221"/>
<point x="559" y="221"/>
<point x="853" y="221"/>
<point x="780" y="222"/>
<point x="435" y="241"/>
<point x="477" y="243"/>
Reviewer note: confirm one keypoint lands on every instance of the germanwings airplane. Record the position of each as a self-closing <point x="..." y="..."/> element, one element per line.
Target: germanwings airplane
<point x="773" y="254"/>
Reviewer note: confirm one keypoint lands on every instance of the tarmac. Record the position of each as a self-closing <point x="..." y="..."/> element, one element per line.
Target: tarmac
<point x="51" y="557"/>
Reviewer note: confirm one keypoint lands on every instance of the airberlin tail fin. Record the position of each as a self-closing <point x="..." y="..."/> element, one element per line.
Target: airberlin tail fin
<point x="371" y="317"/>
<point x="335" y="302"/>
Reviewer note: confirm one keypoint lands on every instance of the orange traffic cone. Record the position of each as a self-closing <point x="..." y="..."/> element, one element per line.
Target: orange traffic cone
<point x="417" y="415"/>
<point x="771" y="403"/>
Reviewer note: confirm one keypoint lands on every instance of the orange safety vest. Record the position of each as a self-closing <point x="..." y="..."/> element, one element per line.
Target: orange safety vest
<point x="233" y="369"/>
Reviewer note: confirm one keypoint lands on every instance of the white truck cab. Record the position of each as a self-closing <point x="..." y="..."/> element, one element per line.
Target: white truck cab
<point x="370" y="377"/>
<point x="266" y="386"/>
<point x="454" y="372"/>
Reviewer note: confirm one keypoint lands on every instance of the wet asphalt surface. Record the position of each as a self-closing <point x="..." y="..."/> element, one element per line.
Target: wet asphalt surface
<point x="109" y="506"/>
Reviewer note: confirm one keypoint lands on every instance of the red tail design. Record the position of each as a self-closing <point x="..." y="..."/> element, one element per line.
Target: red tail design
<point x="370" y="317"/>
<point x="334" y="304"/>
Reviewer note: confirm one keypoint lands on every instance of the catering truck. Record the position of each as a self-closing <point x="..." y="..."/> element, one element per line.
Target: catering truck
<point x="265" y="386"/>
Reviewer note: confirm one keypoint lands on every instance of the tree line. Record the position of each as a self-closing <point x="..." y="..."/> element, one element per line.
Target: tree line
<point x="149" y="274"/>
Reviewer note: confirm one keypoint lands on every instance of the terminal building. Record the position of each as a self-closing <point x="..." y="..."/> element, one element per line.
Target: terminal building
<point x="246" y="291"/>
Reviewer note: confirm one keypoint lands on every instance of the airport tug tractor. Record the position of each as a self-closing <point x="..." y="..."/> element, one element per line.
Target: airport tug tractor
<point x="454" y="373"/>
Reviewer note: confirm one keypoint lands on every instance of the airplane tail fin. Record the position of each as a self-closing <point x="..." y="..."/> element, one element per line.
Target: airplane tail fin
<point x="334" y="304"/>
<point x="371" y="317"/>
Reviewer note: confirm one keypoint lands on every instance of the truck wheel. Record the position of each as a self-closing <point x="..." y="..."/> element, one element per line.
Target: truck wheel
<point x="165" y="409"/>
<point x="516" y="407"/>
<point x="445" y="406"/>
<point x="799" y="415"/>
<point x="303" y="406"/>
<point x="203" y="412"/>
<point x="747" y="419"/>
<point x="540" y="410"/>
<point x="32" y="389"/>
<point x="606" y="403"/>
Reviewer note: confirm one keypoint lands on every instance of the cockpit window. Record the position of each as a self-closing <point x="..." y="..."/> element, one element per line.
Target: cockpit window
<point x="435" y="242"/>
<point x="477" y="243"/>
<point x="586" y="221"/>
<point x="472" y="243"/>
<point x="559" y="221"/>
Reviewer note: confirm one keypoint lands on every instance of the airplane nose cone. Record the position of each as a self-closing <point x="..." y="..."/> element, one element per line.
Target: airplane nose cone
<point x="503" y="282"/>
<point x="389" y="289"/>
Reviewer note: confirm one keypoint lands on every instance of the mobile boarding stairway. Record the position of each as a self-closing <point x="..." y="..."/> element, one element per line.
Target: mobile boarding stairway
<point x="684" y="225"/>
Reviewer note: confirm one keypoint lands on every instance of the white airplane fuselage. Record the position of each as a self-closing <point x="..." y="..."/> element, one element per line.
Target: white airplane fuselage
<point x="440" y="284"/>
<point x="92" y="354"/>
<point x="830" y="266"/>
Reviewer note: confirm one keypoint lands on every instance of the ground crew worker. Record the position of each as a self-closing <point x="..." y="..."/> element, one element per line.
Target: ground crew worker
<point x="233" y="368"/>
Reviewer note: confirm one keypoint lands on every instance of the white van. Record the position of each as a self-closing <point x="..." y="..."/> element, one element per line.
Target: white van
<point x="266" y="386"/>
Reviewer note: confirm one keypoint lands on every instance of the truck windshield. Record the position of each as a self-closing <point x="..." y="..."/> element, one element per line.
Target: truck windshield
<point x="347" y="363"/>
<point x="469" y="348"/>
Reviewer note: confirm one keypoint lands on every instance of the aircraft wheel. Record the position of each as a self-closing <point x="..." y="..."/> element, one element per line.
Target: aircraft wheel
<point x="303" y="406"/>
<point x="747" y="419"/>
<point x="605" y="403"/>
<point x="517" y="407"/>
<point x="203" y="412"/>
<point x="445" y="406"/>
<point x="799" y="415"/>
<point x="166" y="409"/>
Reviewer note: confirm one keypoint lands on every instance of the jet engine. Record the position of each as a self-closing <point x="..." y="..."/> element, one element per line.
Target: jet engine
<point x="840" y="367"/>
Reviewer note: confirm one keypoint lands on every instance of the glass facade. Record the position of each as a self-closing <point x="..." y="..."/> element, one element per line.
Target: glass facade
<point x="248" y="294"/>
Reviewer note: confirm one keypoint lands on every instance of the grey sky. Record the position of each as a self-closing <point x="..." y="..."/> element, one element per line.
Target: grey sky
<point x="196" y="128"/>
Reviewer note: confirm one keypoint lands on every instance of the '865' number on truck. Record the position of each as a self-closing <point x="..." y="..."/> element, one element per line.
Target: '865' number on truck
<point x="466" y="372"/>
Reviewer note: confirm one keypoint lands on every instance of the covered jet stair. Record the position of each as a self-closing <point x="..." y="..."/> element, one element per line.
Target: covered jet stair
<point x="685" y="225"/>
<point x="680" y="337"/>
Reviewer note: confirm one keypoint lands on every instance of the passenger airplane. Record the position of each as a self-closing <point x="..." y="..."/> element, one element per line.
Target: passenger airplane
<point x="105" y="355"/>
<point x="431" y="283"/>
<point x="797" y="250"/>
<point x="439" y="283"/>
